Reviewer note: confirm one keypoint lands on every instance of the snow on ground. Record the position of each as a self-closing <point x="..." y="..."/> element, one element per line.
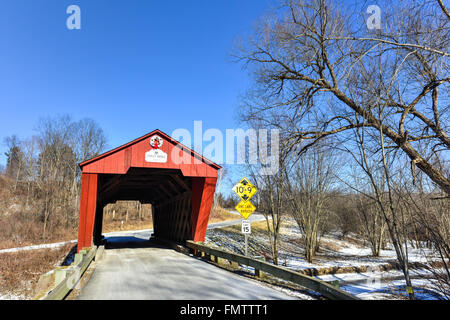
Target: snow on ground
<point x="345" y="253"/>
<point x="11" y="297"/>
<point x="394" y="289"/>
<point x="385" y="285"/>
<point x="336" y="253"/>
<point x="293" y="293"/>
<point x="39" y="246"/>
<point x="414" y="254"/>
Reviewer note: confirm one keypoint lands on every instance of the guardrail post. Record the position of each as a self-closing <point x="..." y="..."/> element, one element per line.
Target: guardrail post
<point x="234" y="264"/>
<point x="259" y="273"/>
<point x="99" y="253"/>
<point x="78" y="258"/>
<point x="60" y="275"/>
<point x="44" y="281"/>
<point x="334" y="283"/>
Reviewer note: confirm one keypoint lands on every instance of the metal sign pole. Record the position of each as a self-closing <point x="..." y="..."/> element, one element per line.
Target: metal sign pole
<point x="246" y="230"/>
<point x="246" y="244"/>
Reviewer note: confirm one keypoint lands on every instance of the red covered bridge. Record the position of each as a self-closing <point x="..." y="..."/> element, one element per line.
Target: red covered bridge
<point x="155" y="169"/>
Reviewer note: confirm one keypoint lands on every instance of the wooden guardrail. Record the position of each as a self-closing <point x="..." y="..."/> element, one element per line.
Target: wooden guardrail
<point x="327" y="290"/>
<point x="71" y="275"/>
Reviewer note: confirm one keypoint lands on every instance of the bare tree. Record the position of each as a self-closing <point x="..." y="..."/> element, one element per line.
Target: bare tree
<point x="391" y="207"/>
<point x="45" y="178"/>
<point x="30" y="147"/>
<point x="317" y="65"/>
<point x="308" y="189"/>
<point x="15" y="159"/>
<point x="343" y="213"/>
<point x="270" y="196"/>
<point x="430" y="215"/>
<point x="89" y="139"/>
<point x="63" y="143"/>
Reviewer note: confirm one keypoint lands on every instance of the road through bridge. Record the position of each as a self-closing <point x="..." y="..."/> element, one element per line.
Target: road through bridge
<point x="134" y="268"/>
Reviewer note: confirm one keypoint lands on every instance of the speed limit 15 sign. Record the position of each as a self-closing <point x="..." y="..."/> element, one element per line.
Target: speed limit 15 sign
<point x="246" y="227"/>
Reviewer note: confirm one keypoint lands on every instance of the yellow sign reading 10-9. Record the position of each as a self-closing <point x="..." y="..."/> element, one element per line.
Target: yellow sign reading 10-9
<point x="244" y="189"/>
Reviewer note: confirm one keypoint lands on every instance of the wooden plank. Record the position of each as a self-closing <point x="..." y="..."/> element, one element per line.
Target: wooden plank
<point x="91" y="209"/>
<point x="202" y="199"/>
<point x="83" y="210"/>
<point x="180" y="181"/>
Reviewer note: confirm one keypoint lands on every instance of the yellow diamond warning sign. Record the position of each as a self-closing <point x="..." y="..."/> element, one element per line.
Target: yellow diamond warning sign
<point x="245" y="208"/>
<point x="244" y="189"/>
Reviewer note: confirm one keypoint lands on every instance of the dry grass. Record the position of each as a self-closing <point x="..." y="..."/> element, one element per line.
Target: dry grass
<point x="17" y="231"/>
<point x="259" y="226"/>
<point x="112" y="226"/>
<point x="219" y="214"/>
<point x="20" y="271"/>
<point x="329" y="245"/>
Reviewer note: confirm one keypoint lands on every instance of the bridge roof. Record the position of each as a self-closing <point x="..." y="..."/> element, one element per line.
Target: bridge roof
<point x="134" y="154"/>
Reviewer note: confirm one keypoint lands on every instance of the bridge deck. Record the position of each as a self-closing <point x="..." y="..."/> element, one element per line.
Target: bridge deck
<point x="141" y="270"/>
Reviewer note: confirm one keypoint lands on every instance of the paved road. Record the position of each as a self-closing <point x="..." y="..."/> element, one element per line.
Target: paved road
<point x="139" y="271"/>
<point x="145" y="234"/>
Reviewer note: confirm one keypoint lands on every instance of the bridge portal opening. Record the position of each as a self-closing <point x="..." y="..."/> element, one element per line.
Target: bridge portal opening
<point x="148" y="170"/>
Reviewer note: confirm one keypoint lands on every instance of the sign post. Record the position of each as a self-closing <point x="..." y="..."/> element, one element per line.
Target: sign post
<point x="246" y="229"/>
<point x="245" y="190"/>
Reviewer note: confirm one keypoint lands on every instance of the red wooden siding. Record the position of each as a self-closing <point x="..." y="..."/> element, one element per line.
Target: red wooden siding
<point x="202" y="198"/>
<point x="88" y="206"/>
<point x="119" y="160"/>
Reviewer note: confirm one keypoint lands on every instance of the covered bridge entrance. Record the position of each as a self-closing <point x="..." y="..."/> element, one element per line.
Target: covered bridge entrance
<point x="154" y="169"/>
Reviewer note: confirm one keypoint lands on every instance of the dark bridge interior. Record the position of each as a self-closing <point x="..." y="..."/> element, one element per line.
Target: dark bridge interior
<point x="168" y="191"/>
<point x="181" y="194"/>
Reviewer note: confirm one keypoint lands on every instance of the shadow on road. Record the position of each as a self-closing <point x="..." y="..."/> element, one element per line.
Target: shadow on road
<point x="130" y="242"/>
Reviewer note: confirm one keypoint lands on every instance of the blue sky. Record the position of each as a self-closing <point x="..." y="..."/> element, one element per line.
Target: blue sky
<point x="134" y="66"/>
